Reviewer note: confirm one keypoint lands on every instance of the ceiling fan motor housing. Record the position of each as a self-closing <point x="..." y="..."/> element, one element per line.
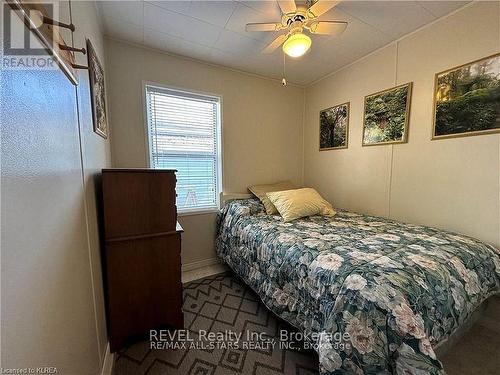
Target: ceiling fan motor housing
<point x="296" y="27"/>
<point x="290" y="18"/>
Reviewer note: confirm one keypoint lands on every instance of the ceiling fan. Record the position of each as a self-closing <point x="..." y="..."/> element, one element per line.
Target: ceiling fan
<point x="294" y="20"/>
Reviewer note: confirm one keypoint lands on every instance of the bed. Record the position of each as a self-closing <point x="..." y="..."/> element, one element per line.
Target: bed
<point x="395" y="291"/>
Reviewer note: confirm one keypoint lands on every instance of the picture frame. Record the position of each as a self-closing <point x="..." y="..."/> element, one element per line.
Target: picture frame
<point x="386" y="116"/>
<point x="454" y="106"/>
<point x="97" y="92"/>
<point x="334" y="127"/>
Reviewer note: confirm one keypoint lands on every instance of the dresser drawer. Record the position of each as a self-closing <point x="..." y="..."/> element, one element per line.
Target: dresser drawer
<point x="138" y="203"/>
<point x="144" y="285"/>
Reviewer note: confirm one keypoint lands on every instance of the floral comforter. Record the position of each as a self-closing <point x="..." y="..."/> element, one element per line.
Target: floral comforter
<point x="394" y="290"/>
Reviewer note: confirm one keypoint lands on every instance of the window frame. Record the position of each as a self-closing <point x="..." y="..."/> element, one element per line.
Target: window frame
<point x="218" y="131"/>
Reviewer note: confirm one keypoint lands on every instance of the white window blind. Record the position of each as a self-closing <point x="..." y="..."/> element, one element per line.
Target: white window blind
<point x="184" y="131"/>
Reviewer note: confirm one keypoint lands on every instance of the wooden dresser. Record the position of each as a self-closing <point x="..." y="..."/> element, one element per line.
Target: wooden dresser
<point x="143" y="287"/>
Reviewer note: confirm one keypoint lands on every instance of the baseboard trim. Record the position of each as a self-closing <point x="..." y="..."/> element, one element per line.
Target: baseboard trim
<point x="108" y="363"/>
<point x="199" y="264"/>
<point x="202" y="268"/>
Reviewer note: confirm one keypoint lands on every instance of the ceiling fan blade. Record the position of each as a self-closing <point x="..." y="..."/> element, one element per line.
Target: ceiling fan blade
<point x="322" y="6"/>
<point x="328" y="27"/>
<point x="262" y="26"/>
<point x="287" y="6"/>
<point x="275" y="44"/>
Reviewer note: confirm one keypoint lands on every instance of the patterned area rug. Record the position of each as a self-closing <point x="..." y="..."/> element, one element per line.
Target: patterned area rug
<point x="219" y="304"/>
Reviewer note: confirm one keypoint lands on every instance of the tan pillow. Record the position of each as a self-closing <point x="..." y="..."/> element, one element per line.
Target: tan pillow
<point x="294" y="204"/>
<point x="260" y="192"/>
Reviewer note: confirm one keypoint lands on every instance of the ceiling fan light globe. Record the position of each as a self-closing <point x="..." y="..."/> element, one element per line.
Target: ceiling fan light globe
<point x="296" y="45"/>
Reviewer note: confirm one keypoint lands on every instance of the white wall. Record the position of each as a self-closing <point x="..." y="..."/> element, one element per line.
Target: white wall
<point x="96" y="154"/>
<point x="52" y="299"/>
<point x="261" y="120"/>
<point x="452" y="183"/>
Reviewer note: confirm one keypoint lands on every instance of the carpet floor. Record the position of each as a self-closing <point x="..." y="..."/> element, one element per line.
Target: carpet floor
<point x="222" y="303"/>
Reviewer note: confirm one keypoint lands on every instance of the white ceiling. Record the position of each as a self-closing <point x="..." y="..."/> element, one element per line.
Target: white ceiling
<point x="214" y="31"/>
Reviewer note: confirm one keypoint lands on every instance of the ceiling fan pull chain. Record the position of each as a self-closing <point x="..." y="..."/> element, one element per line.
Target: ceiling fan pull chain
<point x="283" y="81"/>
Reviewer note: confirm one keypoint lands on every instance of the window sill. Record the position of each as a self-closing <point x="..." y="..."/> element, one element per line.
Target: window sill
<point x="201" y="211"/>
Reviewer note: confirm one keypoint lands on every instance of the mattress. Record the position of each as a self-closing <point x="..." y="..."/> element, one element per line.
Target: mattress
<point x="374" y="295"/>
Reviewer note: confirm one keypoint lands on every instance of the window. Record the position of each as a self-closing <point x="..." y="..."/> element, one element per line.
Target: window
<point x="184" y="134"/>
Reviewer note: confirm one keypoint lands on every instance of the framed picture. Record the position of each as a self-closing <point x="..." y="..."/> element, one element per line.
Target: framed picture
<point x="97" y="92"/>
<point x="386" y="116"/>
<point x="334" y="127"/>
<point x="467" y="99"/>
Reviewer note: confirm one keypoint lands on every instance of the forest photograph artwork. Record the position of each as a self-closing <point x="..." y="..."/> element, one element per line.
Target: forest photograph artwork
<point x="334" y="127"/>
<point x="467" y="99"/>
<point x="386" y="116"/>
